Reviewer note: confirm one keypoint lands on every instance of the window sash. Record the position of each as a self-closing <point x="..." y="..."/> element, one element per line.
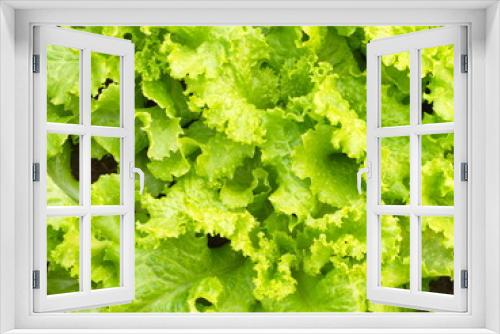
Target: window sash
<point x="86" y="43"/>
<point x="413" y="43"/>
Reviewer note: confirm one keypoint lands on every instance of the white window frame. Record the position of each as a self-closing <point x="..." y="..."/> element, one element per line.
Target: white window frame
<point x="414" y="43"/>
<point x="16" y="21"/>
<point x="86" y="43"/>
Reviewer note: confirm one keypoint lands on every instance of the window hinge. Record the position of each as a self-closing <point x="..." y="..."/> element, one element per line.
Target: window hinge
<point x="464" y="171"/>
<point x="465" y="63"/>
<point x="36" y="172"/>
<point x="36" y="63"/>
<point x="464" y="279"/>
<point x="36" y="279"/>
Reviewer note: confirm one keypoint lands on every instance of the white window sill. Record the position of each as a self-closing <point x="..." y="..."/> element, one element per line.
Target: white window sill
<point x="254" y="331"/>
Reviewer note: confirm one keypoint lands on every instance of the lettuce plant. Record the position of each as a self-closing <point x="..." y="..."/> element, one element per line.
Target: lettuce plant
<point x="250" y="139"/>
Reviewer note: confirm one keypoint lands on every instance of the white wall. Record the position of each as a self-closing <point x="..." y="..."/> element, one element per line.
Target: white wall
<point x="7" y="167"/>
<point x="493" y="166"/>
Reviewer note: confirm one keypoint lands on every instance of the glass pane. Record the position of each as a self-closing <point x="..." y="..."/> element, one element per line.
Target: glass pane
<point x="437" y="254"/>
<point x="105" y="245"/>
<point x="395" y="256"/>
<point x="437" y="169"/>
<point x="105" y="90"/>
<point x="63" y="254"/>
<point x="395" y="89"/>
<point x="105" y="168"/>
<point x="437" y="84"/>
<point x="63" y="84"/>
<point x="63" y="170"/>
<point x="395" y="170"/>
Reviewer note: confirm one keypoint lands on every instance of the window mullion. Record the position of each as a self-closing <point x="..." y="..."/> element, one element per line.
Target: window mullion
<point x="420" y="129"/>
<point x="85" y="174"/>
<point x="406" y="210"/>
<point x="415" y="236"/>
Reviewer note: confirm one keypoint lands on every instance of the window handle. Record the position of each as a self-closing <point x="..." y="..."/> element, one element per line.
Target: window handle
<point x="134" y="170"/>
<point x="367" y="171"/>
